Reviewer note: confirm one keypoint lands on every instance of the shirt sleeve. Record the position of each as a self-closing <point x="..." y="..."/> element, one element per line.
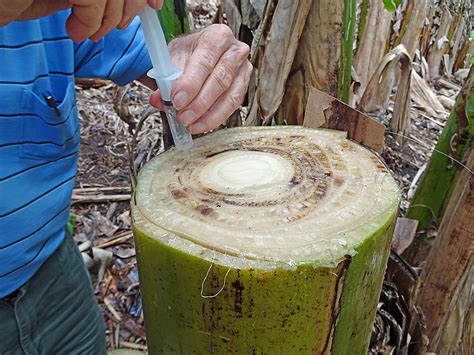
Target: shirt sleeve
<point x="121" y="56"/>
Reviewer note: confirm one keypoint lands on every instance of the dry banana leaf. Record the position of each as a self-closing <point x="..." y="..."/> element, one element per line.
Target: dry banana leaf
<point x="458" y="37"/>
<point x="404" y="234"/>
<point x="376" y="96"/>
<point x="414" y="16"/>
<point x="424" y="97"/>
<point x="233" y="15"/>
<point x="373" y="43"/>
<point x="438" y="48"/>
<point x="280" y="48"/>
<point x="326" y="111"/>
<point x="317" y="61"/>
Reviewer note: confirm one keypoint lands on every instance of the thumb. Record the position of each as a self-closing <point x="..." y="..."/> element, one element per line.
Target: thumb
<point x="85" y="19"/>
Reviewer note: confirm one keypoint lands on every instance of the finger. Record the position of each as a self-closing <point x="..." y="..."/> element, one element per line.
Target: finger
<point x="35" y="9"/>
<point x="211" y="44"/>
<point x="11" y="10"/>
<point x="156" y="4"/>
<point x="86" y="18"/>
<point x="112" y="16"/>
<point x="131" y="9"/>
<point x="226" y="104"/>
<point x="216" y="84"/>
<point x="156" y="100"/>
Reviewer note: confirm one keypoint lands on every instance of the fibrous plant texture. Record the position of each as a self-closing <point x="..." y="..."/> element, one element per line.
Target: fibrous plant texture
<point x="263" y="240"/>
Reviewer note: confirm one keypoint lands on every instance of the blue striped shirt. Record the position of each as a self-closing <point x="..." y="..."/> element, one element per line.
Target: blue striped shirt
<point x="38" y="148"/>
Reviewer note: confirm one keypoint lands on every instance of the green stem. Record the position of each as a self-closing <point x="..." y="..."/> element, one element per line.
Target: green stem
<point x="362" y="21"/>
<point x="344" y="76"/>
<point x="440" y="177"/>
<point x="174" y="18"/>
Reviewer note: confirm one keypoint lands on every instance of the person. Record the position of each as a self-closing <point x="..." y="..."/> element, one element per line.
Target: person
<point x="46" y="301"/>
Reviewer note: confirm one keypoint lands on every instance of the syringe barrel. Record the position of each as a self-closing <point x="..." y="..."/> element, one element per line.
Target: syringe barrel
<point x="155" y="41"/>
<point x="183" y="139"/>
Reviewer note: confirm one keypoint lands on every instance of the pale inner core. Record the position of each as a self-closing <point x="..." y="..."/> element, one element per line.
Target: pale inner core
<point x="235" y="171"/>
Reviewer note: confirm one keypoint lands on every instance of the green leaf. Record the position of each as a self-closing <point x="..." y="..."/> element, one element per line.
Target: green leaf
<point x="470" y="113"/>
<point x="391" y="5"/>
<point x="70" y="225"/>
<point x="173" y="18"/>
<point x="344" y="76"/>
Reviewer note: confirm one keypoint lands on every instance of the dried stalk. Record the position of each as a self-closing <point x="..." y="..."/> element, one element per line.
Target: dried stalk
<point x="376" y="95"/>
<point x="440" y="44"/>
<point x="372" y="43"/>
<point x="412" y="24"/>
<point x="424" y="97"/>
<point x="99" y="198"/>
<point x="287" y="25"/>
<point x="314" y="65"/>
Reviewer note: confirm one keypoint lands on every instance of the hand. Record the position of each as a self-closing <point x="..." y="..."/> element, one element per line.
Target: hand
<point x="13" y="10"/>
<point x="216" y="72"/>
<point x="95" y="18"/>
<point x="89" y="19"/>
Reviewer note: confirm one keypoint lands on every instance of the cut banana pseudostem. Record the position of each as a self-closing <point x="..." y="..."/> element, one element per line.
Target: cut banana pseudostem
<point x="263" y="241"/>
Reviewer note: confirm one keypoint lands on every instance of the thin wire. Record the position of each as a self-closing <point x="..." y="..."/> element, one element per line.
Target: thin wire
<point x="205" y="278"/>
<point x="433" y="215"/>
<point x="435" y="150"/>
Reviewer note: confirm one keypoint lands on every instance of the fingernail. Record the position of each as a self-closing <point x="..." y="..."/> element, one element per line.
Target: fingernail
<point x="198" y="127"/>
<point x="187" y="117"/>
<point x="180" y="99"/>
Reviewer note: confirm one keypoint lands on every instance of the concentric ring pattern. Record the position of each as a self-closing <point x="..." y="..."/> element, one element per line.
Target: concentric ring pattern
<point x="290" y="194"/>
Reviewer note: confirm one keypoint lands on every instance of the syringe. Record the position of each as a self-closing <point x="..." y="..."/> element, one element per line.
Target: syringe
<point x="164" y="73"/>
